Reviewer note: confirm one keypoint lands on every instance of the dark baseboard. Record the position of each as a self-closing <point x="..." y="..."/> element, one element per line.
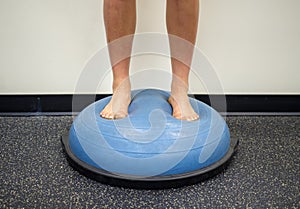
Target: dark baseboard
<point x="63" y="103"/>
<point x="257" y="103"/>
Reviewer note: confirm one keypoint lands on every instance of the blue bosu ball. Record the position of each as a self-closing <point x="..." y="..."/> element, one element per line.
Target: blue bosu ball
<point x="149" y="148"/>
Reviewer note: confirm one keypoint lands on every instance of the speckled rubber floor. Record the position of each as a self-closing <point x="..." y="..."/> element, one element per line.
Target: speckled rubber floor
<point x="264" y="173"/>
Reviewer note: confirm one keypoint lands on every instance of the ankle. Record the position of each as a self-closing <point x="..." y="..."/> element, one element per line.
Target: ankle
<point x="122" y="83"/>
<point x="179" y="89"/>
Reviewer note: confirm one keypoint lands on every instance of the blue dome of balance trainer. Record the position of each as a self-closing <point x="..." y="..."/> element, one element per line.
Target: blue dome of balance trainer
<point x="150" y="141"/>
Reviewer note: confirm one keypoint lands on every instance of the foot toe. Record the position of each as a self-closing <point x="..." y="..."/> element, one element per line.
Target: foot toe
<point x="102" y="114"/>
<point x="106" y="115"/>
<point x="120" y="115"/>
<point x="190" y="118"/>
<point x="112" y="116"/>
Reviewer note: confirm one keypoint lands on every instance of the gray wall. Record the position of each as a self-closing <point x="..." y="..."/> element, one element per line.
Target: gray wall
<point x="254" y="46"/>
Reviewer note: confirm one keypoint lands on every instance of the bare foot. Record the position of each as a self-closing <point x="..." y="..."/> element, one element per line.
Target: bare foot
<point x="179" y="100"/>
<point x="182" y="108"/>
<point x="117" y="108"/>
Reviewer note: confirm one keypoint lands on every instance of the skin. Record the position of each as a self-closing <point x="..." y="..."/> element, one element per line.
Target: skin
<point x="182" y="22"/>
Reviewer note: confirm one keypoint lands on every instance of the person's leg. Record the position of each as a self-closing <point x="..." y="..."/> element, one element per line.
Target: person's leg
<point x="182" y="23"/>
<point x="120" y="21"/>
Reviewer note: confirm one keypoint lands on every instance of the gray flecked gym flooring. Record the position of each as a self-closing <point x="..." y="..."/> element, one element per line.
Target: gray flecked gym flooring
<point x="264" y="173"/>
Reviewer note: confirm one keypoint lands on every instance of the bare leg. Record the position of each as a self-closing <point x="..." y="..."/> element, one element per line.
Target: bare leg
<point x="120" y="21"/>
<point x="182" y="22"/>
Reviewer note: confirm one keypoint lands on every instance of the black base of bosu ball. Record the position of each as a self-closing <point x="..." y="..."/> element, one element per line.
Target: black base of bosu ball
<point x="149" y="149"/>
